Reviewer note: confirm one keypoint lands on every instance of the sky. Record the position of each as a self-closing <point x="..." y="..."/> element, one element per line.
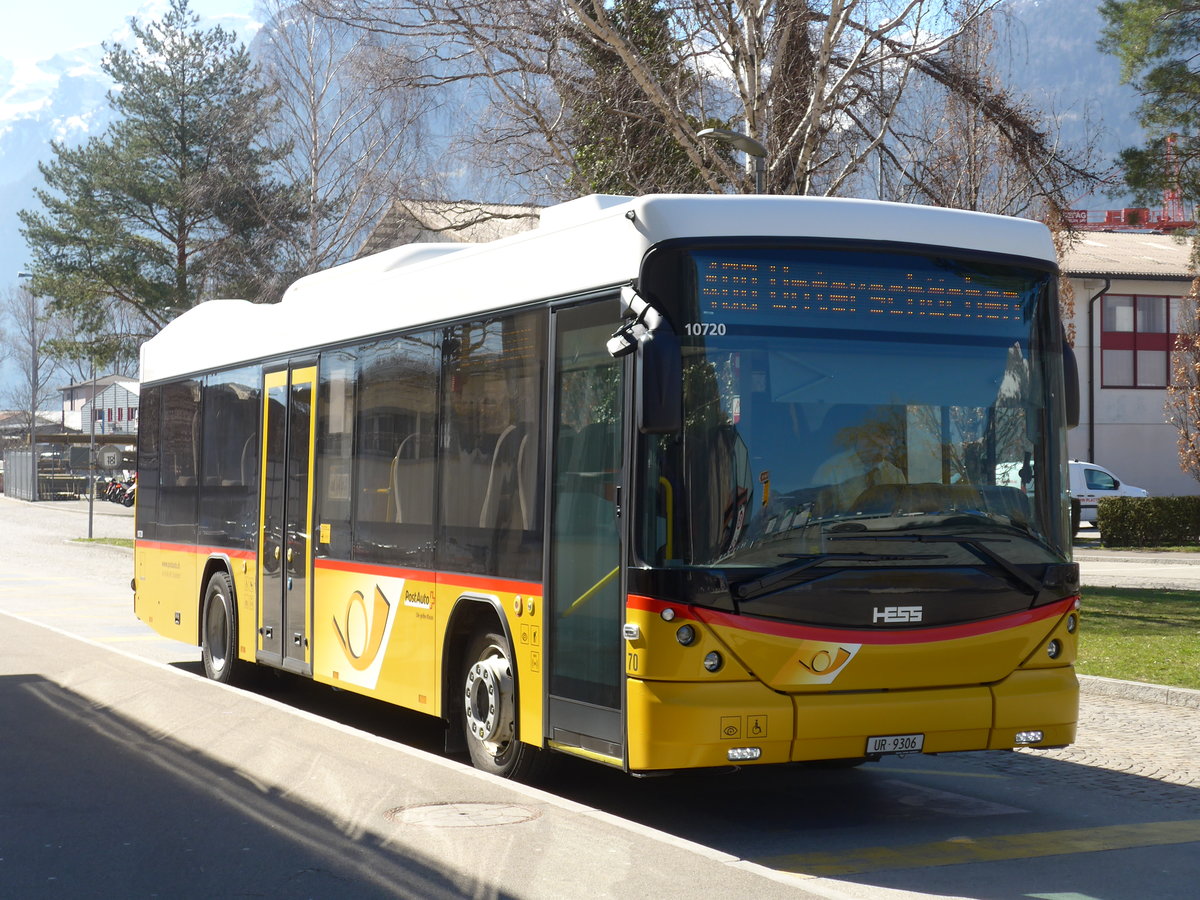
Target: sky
<point x="35" y="31"/>
<point x="29" y="34"/>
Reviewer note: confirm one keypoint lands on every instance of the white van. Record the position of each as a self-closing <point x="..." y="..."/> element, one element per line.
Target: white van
<point x="1090" y="483"/>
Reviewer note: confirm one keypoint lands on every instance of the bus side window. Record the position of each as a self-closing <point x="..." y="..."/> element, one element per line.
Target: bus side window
<point x="178" y="491"/>
<point x="149" y="461"/>
<point x="396" y="417"/>
<point x="335" y="451"/>
<point x="229" y="481"/>
<point x="491" y="454"/>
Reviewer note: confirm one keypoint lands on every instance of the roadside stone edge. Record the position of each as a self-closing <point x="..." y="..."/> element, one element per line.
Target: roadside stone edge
<point x="1145" y="558"/>
<point x="1136" y="690"/>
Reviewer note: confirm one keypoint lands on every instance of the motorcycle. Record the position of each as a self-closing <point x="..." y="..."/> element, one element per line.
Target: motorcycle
<point x="117" y="490"/>
<point x="130" y="495"/>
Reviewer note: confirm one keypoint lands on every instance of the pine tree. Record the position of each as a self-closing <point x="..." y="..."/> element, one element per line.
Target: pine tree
<point x="174" y="203"/>
<point x="1156" y="41"/>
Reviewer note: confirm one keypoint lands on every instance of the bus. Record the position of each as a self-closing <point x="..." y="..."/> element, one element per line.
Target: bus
<point x="670" y="482"/>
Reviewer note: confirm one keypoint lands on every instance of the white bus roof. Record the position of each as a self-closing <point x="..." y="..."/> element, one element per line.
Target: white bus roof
<point x="589" y="243"/>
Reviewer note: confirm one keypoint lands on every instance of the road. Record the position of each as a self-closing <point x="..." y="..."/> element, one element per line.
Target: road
<point x="1115" y="816"/>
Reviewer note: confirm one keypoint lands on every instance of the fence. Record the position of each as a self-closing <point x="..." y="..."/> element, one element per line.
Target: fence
<point x="55" y="480"/>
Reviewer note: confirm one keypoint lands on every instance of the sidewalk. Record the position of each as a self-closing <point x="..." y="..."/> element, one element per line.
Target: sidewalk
<point x="1177" y="570"/>
<point x="1096" y="685"/>
<point x="1137" y="557"/>
<point x="178" y="786"/>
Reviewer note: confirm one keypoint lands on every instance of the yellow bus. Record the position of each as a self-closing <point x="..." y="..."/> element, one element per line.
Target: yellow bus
<point x="667" y="483"/>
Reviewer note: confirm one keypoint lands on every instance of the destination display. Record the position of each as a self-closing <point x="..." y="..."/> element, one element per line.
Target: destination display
<point x="876" y="291"/>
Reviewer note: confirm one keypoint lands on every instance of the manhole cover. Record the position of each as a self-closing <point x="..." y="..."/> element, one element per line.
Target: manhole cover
<point x="461" y="815"/>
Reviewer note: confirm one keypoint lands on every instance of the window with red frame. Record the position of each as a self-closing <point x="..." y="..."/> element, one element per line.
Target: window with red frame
<point x="1136" y="341"/>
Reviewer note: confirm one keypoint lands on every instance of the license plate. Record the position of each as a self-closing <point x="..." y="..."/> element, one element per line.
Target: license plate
<point x="896" y="743"/>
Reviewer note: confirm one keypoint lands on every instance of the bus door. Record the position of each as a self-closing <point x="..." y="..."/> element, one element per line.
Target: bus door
<point x="584" y="583"/>
<point x="285" y="517"/>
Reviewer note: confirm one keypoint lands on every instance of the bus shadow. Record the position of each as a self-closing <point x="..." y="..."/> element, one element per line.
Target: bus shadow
<point x="91" y="798"/>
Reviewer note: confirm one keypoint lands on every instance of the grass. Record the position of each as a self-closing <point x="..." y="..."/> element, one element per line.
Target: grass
<point x="1141" y="635"/>
<point x="111" y="542"/>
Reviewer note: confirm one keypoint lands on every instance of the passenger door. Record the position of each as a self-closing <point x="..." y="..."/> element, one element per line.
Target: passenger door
<point x="585" y="585"/>
<point x="285" y="517"/>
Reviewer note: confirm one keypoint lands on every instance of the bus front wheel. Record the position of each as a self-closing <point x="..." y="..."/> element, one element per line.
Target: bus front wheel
<point x="490" y="709"/>
<point x="218" y="630"/>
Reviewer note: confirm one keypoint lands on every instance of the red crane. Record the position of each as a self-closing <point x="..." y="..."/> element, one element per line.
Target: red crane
<point x="1172" y="217"/>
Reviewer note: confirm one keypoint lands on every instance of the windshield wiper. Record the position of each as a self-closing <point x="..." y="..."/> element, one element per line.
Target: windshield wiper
<point x="973" y="545"/>
<point x="752" y="587"/>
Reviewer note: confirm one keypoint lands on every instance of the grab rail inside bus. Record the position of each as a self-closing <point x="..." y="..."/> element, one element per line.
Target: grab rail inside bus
<point x="669" y="503"/>
<point x="591" y="592"/>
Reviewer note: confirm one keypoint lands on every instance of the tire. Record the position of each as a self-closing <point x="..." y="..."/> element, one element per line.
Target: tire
<point x="489" y="709"/>
<point x="218" y="631"/>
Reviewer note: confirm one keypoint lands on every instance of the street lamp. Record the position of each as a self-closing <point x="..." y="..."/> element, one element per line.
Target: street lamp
<point x="33" y="398"/>
<point x="91" y="485"/>
<point x="747" y="145"/>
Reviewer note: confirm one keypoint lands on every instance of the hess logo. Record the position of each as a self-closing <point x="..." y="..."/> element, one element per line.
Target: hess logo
<point x="892" y="615"/>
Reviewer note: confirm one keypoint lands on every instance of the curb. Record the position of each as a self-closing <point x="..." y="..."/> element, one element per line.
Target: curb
<point x="1136" y="690"/>
<point x="1149" y="559"/>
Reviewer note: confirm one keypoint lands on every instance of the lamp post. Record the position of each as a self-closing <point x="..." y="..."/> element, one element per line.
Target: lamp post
<point x="92" y="442"/>
<point x="747" y="145"/>
<point x="33" y="392"/>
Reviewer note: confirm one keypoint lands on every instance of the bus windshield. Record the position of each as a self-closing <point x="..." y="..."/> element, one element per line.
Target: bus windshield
<point x="860" y="408"/>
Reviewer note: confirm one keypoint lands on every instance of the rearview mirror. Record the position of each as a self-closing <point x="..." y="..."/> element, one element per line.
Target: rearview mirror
<point x="1070" y="383"/>
<point x="659" y="382"/>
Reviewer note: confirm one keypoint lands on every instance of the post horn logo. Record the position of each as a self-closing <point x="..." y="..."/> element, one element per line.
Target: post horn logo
<point x="361" y="632"/>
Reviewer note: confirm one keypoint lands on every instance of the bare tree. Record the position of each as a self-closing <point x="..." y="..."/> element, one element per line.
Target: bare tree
<point x="355" y="147"/>
<point x="965" y="141"/>
<point x="1182" y="405"/>
<point x="32" y="326"/>
<point x="817" y="83"/>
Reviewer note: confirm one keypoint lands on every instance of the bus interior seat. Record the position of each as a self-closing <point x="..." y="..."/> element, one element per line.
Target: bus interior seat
<point x="501" y="476"/>
<point x="249" y="461"/>
<point x="584" y="504"/>
<point x="527" y="458"/>
<point x="412" y="479"/>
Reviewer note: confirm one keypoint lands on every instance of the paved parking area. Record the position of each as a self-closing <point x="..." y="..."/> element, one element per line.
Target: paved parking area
<point x="1144" y="730"/>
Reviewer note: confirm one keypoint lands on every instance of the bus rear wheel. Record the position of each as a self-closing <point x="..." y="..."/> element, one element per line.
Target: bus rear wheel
<point x="490" y="709"/>
<point x="218" y="630"/>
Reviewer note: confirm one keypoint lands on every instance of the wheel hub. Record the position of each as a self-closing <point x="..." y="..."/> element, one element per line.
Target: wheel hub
<point x="489" y="702"/>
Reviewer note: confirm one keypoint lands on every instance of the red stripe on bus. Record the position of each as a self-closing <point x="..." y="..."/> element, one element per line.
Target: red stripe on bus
<point x="864" y="636"/>
<point x="499" y="585"/>
<point x="197" y="549"/>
